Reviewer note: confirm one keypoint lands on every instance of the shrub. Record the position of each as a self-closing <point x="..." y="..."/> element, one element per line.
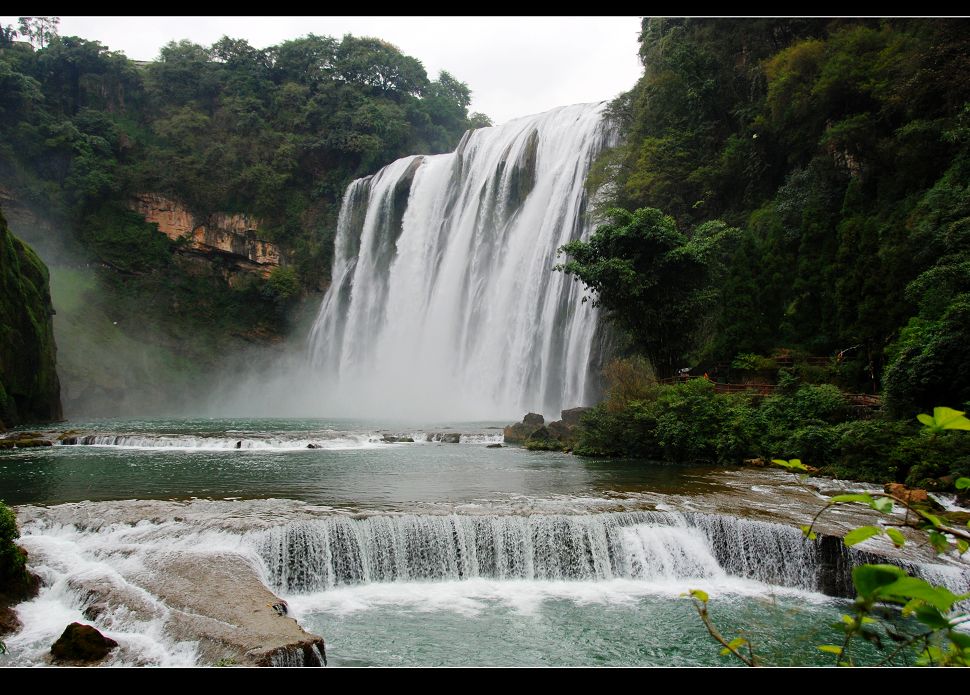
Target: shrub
<point x="13" y="561"/>
<point x="629" y="379"/>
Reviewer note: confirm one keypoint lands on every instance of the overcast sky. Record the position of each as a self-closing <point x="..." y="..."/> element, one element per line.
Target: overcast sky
<point x="515" y="66"/>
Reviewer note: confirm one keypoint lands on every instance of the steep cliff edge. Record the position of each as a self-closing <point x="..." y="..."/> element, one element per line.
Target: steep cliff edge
<point x="232" y="237"/>
<point x="29" y="388"/>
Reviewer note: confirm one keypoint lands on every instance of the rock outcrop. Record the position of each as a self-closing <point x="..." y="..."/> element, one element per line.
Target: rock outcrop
<point x="444" y="437"/>
<point x="232" y="237"/>
<point x="533" y="433"/>
<point x="82" y="643"/>
<point x="215" y="600"/>
<point x="29" y="387"/>
<point x="518" y="432"/>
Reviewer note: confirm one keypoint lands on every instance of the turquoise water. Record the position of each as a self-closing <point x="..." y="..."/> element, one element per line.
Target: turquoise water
<point x="529" y="625"/>
<point x="476" y="622"/>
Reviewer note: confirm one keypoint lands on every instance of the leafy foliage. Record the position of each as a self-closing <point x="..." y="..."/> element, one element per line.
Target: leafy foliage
<point x="906" y="618"/>
<point x="277" y="133"/>
<point x="653" y="281"/>
<point x="13" y="562"/>
<point x="839" y="150"/>
<point x="690" y="422"/>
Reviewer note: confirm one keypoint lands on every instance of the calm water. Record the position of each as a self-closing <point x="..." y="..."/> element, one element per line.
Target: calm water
<point x="354" y="468"/>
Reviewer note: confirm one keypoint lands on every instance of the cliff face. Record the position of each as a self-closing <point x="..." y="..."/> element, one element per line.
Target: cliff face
<point x="29" y="388"/>
<point x="233" y="237"/>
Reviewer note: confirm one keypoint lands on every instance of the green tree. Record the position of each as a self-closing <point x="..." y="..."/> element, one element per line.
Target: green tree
<point x="39" y="30"/>
<point x="654" y="282"/>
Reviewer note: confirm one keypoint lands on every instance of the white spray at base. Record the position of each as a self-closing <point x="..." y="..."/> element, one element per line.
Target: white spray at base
<point x="443" y="300"/>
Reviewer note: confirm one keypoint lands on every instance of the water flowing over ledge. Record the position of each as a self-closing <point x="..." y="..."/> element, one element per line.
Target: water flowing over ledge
<point x="336" y="441"/>
<point x="155" y="575"/>
<point x="443" y="301"/>
<point x="652" y="547"/>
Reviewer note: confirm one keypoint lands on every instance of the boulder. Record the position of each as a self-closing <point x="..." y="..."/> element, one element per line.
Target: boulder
<point x="560" y="430"/>
<point x="543" y="440"/>
<point x="519" y="432"/>
<point x="82" y="643"/>
<point x="444" y="437"/>
<point x="494" y="446"/>
<point x="391" y="439"/>
<point x="572" y="416"/>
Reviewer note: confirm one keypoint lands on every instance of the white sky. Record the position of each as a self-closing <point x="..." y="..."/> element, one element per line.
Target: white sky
<point x="515" y="66"/>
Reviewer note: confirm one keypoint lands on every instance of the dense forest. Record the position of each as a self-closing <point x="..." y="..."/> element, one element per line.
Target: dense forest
<point x="275" y="134"/>
<point x="789" y="191"/>
<point x="815" y="173"/>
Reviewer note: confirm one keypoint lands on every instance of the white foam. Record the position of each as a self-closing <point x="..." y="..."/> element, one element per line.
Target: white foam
<point x="473" y="596"/>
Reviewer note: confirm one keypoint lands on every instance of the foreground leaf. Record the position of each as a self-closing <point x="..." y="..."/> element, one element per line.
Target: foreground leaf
<point x="939" y="542"/>
<point x="699" y="595"/>
<point x="869" y="578"/>
<point x="896" y="537"/>
<point x="860" y="534"/>
<point x="733" y="644"/>
<point x="794" y="464"/>
<point x="908" y="588"/>
<point x="861" y="497"/>
<point x="944" y="419"/>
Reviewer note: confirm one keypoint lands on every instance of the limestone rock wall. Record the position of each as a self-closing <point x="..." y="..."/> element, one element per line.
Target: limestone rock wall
<point x="233" y="237"/>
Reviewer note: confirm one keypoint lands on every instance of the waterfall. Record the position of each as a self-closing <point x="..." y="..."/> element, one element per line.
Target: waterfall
<point x="650" y="546"/>
<point x="443" y="301"/>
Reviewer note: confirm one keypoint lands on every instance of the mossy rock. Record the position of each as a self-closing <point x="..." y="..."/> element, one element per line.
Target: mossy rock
<point x="544" y="445"/>
<point x="543" y="440"/>
<point x="29" y="387"/>
<point x="82" y="643"/>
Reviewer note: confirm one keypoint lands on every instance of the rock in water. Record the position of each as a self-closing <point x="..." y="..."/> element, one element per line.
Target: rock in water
<point x="445" y="437"/>
<point x="82" y="643"/>
<point x="521" y="431"/>
<point x="533" y="419"/>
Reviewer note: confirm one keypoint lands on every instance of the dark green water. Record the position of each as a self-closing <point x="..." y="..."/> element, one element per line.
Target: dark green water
<point x="356" y="472"/>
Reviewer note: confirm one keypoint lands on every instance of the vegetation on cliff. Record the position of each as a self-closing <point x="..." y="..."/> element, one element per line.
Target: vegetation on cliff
<point x="275" y="133"/>
<point x="29" y="388"/>
<point x="840" y="152"/>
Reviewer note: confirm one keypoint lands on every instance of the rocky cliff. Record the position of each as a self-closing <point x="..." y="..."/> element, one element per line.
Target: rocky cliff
<point x="29" y="387"/>
<point x="233" y="237"/>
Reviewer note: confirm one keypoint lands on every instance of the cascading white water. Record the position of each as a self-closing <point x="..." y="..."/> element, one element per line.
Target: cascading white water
<point x="443" y="302"/>
<point x="650" y="546"/>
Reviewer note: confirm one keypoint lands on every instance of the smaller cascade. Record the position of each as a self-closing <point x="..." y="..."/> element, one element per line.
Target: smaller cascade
<point x="651" y="546"/>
